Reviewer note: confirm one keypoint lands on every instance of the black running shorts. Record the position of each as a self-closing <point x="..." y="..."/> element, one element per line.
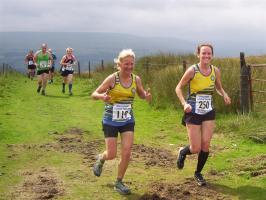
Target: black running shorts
<point x="43" y="71"/>
<point x="31" y="67"/>
<point x="193" y="118"/>
<point x="66" y="73"/>
<point x="112" y="131"/>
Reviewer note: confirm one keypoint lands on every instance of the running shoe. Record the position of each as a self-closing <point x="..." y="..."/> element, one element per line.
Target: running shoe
<point x="43" y="92"/>
<point x="121" y="188"/>
<point x="180" y="159"/>
<point x="199" y="178"/>
<point x="70" y="93"/>
<point x="63" y="90"/>
<point x="98" y="166"/>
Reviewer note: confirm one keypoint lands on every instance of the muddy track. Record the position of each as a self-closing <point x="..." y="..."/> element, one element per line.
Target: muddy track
<point x="185" y="191"/>
<point x="39" y="185"/>
<point x="44" y="183"/>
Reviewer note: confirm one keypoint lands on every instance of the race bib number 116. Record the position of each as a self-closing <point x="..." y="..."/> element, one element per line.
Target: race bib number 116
<point x="121" y="112"/>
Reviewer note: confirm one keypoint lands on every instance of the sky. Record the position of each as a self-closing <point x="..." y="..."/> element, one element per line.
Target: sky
<point x="206" y="20"/>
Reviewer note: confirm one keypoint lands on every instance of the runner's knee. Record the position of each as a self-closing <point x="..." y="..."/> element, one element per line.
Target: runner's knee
<point x="126" y="153"/>
<point x="195" y="149"/>
<point x="205" y="147"/>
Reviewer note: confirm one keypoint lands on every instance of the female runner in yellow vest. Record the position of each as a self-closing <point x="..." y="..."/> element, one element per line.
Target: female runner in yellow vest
<point x="199" y="113"/>
<point x="118" y="91"/>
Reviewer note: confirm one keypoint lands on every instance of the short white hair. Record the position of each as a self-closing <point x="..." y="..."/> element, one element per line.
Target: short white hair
<point x="69" y="49"/>
<point x="124" y="53"/>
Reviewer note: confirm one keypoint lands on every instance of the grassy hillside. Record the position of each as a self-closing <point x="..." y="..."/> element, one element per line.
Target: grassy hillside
<point x="88" y="46"/>
<point x="48" y="145"/>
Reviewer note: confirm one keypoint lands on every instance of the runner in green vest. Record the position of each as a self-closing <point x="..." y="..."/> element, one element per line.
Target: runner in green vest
<point x="43" y="60"/>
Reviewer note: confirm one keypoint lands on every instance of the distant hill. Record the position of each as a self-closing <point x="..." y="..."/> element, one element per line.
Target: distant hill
<point x="93" y="46"/>
<point x="87" y="46"/>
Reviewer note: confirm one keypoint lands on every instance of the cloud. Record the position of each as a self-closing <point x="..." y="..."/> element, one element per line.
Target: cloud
<point x="189" y="19"/>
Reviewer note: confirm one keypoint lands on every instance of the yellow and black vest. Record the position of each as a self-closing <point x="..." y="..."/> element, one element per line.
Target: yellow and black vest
<point x="200" y="85"/>
<point x="120" y="95"/>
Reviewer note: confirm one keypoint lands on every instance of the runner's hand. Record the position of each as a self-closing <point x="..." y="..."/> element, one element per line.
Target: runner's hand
<point x="187" y="108"/>
<point x="148" y="95"/>
<point x="227" y="99"/>
<point x="106" y="97"/>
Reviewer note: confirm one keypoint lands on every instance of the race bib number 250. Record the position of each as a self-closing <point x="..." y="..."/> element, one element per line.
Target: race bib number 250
<point x="203" y="104"/>
<point x="121" y="112"/>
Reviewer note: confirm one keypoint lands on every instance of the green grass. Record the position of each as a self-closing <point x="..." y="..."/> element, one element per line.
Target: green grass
<point x="29" y="120"/>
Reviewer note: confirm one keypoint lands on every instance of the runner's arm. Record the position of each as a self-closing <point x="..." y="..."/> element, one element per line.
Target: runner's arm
<point x="62" y="63"/>
<point x="219" y="87"/>
<point x="35" y="59"/>
<point x="188" y="75"/>
<point x="143" y="94"/>
<point x="50" y="60"/>
<point x="102" y="91"/>
<point x="74" y="58"/>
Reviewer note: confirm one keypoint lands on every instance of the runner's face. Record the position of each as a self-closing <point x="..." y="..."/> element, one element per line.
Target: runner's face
<point x="205" y="54"/>
<point x="44" y="49"/>
<point x="127" y="64"/>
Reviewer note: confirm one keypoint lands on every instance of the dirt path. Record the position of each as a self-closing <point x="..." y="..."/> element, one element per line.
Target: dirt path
<point x="45" y="184"/>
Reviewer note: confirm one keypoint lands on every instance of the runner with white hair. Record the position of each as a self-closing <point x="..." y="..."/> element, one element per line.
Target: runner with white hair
<point x="68" y="62"/>
<point x="118" y="91"/>
<point x="30" y="64"/>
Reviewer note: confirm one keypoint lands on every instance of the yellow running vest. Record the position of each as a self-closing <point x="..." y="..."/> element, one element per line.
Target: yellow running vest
<point x="120" y="108"/>
<point x="201" y="89"/>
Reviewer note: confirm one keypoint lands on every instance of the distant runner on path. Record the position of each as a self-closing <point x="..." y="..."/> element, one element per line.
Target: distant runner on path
<point x="51" y="71"/>
<point x="118" y="91"/>
<point x="68" y="62"/>
<point x="43" y="61"/>
<point x="199" y="113"/>
<point x="29" y="61"/>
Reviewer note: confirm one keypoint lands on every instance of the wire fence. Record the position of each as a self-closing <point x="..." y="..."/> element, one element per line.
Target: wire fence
<point x="6" y="69"/>
<point x="257" y="85"/>
<point x="252" y="87"/>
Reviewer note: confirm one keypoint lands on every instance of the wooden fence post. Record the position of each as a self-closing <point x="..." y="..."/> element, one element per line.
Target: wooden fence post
<point x="250" y="88"/>
<point x="3" y="68"/>
<point x="184" y="66"/>
<point x="89" y="69"/>
<point x="244" y="85"/>
<point x="147" y="66"/>
<point x="78" y="68"/>
<point x="102" y="65"/>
